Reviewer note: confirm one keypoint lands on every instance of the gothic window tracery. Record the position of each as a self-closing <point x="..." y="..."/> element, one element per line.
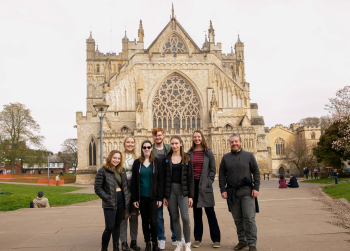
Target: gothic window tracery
<point x="176" y="105"/>
<point x="174" y="45"/>
<point x="125" y="130"/>
<point x="279" y="143"/>
<point x="92" y="153"/>
<point x="313" y="135"/>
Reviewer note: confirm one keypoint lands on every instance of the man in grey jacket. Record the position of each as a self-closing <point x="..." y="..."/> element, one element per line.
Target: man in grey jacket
<point x="236" y="168"/>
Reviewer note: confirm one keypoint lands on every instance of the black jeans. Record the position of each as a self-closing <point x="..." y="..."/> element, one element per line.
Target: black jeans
<point x="149" y="211"/>
<point x="113" y="218"/>
<point x="198" y="221"/>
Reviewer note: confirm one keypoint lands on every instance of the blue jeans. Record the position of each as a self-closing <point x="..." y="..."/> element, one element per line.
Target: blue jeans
<point x="336" y="179"/>
<point x="243" y="212"/>
<point x="160" y="223"/>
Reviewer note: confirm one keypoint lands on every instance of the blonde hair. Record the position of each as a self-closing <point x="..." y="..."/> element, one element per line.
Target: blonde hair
<point x="108" y="165"/>
<point x="133" y="152"/>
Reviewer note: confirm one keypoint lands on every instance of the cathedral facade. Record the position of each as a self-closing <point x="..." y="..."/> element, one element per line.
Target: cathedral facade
<point x="173" y="84"/>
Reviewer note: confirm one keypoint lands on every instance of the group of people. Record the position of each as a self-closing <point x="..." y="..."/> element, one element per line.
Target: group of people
<point x="306" y="173"/>
<point x="166" y="175"/>
<point x="293" y="182"/>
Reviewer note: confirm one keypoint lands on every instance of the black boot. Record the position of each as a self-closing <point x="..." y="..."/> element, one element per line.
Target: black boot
<point x="103" y="248"/>
<point x="115" y="246"/>
<point x="125" y="246"/>
<point x="155" y="246"/>
<point x="148" y="246"/>
<point x="134" y="246"/>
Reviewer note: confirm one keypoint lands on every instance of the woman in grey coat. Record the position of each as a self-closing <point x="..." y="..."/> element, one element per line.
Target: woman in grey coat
<point x="204" y="170"/>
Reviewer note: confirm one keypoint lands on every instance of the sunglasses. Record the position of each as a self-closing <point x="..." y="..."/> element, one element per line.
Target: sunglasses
<point x="146" y="147"/>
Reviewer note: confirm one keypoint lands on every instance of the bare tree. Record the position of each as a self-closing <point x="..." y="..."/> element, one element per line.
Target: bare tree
<point x="18" y="132"/>
<point x="299" y="153"/>
<point x="310" y="121"/>
<point x="340" y="106"/>
<point x="325" y="122"/>
<point x="70" y="152"/>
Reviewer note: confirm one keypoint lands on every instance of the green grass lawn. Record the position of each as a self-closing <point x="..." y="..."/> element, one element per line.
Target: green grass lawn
<point x="328" y="181"/>
<point x="338" y="191"/>
<point x="23" y="194"/>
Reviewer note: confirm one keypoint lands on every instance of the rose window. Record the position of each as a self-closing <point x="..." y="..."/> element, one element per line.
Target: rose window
<point x="174" y="45"/>
<point x="176" y="105"/>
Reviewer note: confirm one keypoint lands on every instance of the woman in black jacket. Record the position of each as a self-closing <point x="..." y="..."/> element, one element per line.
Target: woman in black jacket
<point x="111" y="186"/>
<point x="179" y="189"/>
<point x="147" y="192"/>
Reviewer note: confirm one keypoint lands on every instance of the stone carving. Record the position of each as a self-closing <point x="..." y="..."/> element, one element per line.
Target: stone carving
<point x="176" y="104"/>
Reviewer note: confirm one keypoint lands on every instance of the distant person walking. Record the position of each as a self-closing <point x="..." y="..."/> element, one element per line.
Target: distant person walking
<point x="40" y="201"/>
<point x="111" y="186"/>
<point x="57" y="180"/>
<point x="315" y="173"/>
<point x="240" y="191"/>
<point x="306" y="172"/>
<point x="335" y="174"/>
<point x="293" y="182"/>
<point x="282" y="182"/>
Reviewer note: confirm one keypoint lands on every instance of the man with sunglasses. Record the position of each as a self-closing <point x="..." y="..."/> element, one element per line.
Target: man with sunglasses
<point x="160" y="149"/>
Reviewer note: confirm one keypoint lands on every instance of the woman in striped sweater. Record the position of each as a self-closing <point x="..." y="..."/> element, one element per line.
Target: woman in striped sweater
<point x="204" y="170"/>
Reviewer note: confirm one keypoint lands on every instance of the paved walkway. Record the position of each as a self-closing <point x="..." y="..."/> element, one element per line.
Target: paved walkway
<point x="289" y="220"/>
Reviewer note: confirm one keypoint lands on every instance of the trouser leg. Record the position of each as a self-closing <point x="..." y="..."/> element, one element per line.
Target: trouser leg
<point x="160" y="224"/>
<point x="120" y="214"/>
<point x="124" y="230"/>
<point x="174" y="210"/>
<point x="248" y="212"/>
<point x="237" y="215"/>
<point x="213" y="224"/>
<point x="153" y="209"/>
<point x="185" y="216"/>
<point x="134" y="225"/>
<point x="197" y="215"/>
<point x="145" y="217"/>
<point x="109" y="225"/>
<point x="173" y="235"/>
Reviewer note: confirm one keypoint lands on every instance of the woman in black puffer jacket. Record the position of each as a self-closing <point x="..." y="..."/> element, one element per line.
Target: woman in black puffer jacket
<point x="111" y="186"/>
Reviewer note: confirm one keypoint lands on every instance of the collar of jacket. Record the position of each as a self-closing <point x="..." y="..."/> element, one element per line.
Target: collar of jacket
<point x="236" y="153"/>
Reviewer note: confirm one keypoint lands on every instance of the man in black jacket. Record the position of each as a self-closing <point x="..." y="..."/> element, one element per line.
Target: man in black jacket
<point x="238" y="166"/>
<point x="293" y="182"/>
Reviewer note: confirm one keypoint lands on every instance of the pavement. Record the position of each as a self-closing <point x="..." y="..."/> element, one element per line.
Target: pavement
<point x="289" y="220"/>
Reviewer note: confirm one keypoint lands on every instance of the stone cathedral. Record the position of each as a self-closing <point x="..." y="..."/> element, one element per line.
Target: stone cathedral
<point x="173" y="84"/>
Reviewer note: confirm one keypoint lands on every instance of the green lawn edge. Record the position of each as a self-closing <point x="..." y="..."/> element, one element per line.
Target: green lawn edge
<point x="23" y="194"/>
<point x="338" y="191"/>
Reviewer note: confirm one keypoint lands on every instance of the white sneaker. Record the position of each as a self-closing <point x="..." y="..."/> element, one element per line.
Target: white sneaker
<point x="188" y="246"/>
<point x="174" y="243"/>
<point x="178" y="246"/>
<point x="161" y="244"/>
<point x="183" y="242"/>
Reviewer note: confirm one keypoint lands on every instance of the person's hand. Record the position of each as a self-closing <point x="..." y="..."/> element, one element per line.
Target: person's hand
<point x="126" y="216"/>
<point x="190" y="202"/>
<point x="224" y="195"/>
<point x="255" y="193"/>
<point x="159" y="204"/>
<point x="165" y="202"/>
<point x="136" y="204"/>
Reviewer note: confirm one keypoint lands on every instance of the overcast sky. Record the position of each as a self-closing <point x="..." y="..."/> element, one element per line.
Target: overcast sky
<point x="297" y="53"/>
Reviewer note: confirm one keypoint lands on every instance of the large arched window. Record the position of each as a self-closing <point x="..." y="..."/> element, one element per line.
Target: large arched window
<point x="176" y="105"/>
<point x="279" y="143"/>
<point x="92" y="153"/>
<point x="174" y="45"/>
<point x="313" y="135"/>
<point x="98" y="68"/>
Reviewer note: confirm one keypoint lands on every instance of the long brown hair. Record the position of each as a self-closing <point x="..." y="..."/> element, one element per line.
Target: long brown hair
<point x="108" y="165"/>
<point x="204" y="143"/>
<point x="151" y="157"/>
<point x="184" y="156"/>
<point x="133" y="152"/>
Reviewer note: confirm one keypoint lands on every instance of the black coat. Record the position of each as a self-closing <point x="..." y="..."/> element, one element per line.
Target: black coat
<point x="106" y="185"/>
<point x="187" y="179"/>
<point x="157" y="181"/>
<point x="293" y="182"/>
<point x="205" y="188"/>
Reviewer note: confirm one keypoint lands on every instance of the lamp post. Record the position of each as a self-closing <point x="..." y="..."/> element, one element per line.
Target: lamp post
<point x="101" y="110"/>
<point x="48" y="169"/>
